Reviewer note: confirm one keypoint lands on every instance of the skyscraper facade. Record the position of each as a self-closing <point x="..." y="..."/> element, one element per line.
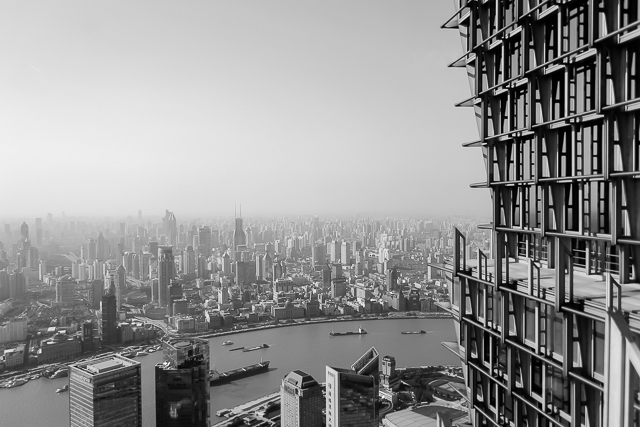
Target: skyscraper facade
<point x="166" y="272"/>
<point x="105" y="392"/>
<point x="182" y="384"/>
<point x="239" y="236"/>
<point x="546" y="322"/>
<point x="109" y="318"/>
<point x="318" y="255"/>
<point x="301" y="401"/>
<point x="352" y="394"/>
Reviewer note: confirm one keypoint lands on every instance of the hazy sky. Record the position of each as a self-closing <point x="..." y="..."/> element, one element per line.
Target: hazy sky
<point x="284" y="106"/>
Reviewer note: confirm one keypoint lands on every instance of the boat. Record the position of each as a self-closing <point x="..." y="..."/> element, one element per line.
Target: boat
<point x="60" y="373"/>
<point x="360" y="331"/>
<point x="141" y="353"/>
<point x="215" y="377"/>
<point x="63" y="389"/>
<point x="17" y="382"/>
<point x="227" y="343"/>
<point x="128" y="354"/>
<point x="237" y="348"/>
<point x="258" y="347"/>
<point x="414" y="332"/>
<point x="223" y="412"/>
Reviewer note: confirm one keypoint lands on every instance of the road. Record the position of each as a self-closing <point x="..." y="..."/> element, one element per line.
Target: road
<point x="157" y="323"/>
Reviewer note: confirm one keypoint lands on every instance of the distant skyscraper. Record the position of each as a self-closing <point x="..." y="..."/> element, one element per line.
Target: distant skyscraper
<point x="204" y="235"/>
<point x="189" y="260"/>
<point x="166" y="272"/>
<point x="170" y="227"/>
<point x="301" y="401"/>
<point x="97" y="291"/>
<point x="345" y="253"/>
<point x="175" y="293"/>
<point x="392" y="279"/>
<point x="24" y="231"/>
<point x="182" y="384"/>
<point x="351" y="394"/>
<point x="65" y="290"/>
<point x="92" y="251"/>
<point x="318" y="255"/>
<point x="259" y="266"/>
<point x="101" y="248"/>
<point x="239" y="236"/>
<point x="105" y="392"/>
<point x="334" y="250"/>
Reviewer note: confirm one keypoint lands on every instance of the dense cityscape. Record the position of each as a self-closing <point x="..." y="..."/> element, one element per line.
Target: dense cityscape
<point x="81" y="288"/>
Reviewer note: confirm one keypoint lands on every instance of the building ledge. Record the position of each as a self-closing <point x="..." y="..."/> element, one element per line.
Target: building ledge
<point x="454" y="348"/>
<point x="446" y="306"/>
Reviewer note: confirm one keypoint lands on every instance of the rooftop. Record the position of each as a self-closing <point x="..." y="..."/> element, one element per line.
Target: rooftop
<point x="105" y="364"/>
<point x="300" y="379"/>
<point x="422" y="417"/>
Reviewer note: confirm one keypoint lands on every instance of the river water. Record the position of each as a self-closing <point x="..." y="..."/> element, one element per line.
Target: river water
<point x="307" y="347"/>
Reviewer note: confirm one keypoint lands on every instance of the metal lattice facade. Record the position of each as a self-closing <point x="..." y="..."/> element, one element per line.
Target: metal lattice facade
<point x="548" y="322"/>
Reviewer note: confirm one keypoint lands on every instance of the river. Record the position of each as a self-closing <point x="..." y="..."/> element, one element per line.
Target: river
<point x="305" y="347"/>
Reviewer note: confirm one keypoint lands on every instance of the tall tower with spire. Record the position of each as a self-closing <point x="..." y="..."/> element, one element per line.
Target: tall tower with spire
<point x="239" y="236"/>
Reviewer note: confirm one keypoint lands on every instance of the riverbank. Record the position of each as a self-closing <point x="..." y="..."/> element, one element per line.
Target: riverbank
<point x="37" y="370"/>
<point x="424" y="316"/>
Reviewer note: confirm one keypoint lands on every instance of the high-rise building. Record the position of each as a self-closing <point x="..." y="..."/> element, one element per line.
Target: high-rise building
<point x="547" y="328"/>
<point x="182" y="384"/>
<point x="170" y="227"/>
<point x="259" y="266"/>
<point x="392" y="279"/>
<point x="189" y="260"/>
<point x="301" y="401"/>
<point x="334" y="251"/>
<point x="105" y="392"/>
<point x="101" y="248"/>
<point x="318" y="256"/>
<point x="109" y="317"/>
<point x="97" y="290"/>
<point x="65" y="290"/>
<point x="24" y="231"/>
<point x="166" y="272"/>
<point x="352" y="394"/>
<point x="239" y="236"/>
<point x="175" y="293"/>
<point x="204" y="234"/>
<point x="345" y="253"/>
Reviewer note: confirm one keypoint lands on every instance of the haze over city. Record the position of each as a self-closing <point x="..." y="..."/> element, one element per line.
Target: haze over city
<point x="286" y="107"/>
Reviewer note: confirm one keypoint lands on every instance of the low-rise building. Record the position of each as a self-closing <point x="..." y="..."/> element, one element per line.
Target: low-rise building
<point x="287" y="311"/>
<point x="14" y="329"/>
<point x="14" y="357"/>
<point x="59" y="347"/>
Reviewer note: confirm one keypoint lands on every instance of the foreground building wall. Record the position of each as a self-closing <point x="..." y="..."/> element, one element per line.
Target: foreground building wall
<point x="547" y="323"/>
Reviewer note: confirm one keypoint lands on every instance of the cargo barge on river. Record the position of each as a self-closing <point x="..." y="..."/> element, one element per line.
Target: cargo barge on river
<point x="216" y="378"/>
<point x="360" y="331"/>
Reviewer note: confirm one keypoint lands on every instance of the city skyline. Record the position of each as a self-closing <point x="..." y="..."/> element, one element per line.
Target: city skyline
<point x="245" y="100"/>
